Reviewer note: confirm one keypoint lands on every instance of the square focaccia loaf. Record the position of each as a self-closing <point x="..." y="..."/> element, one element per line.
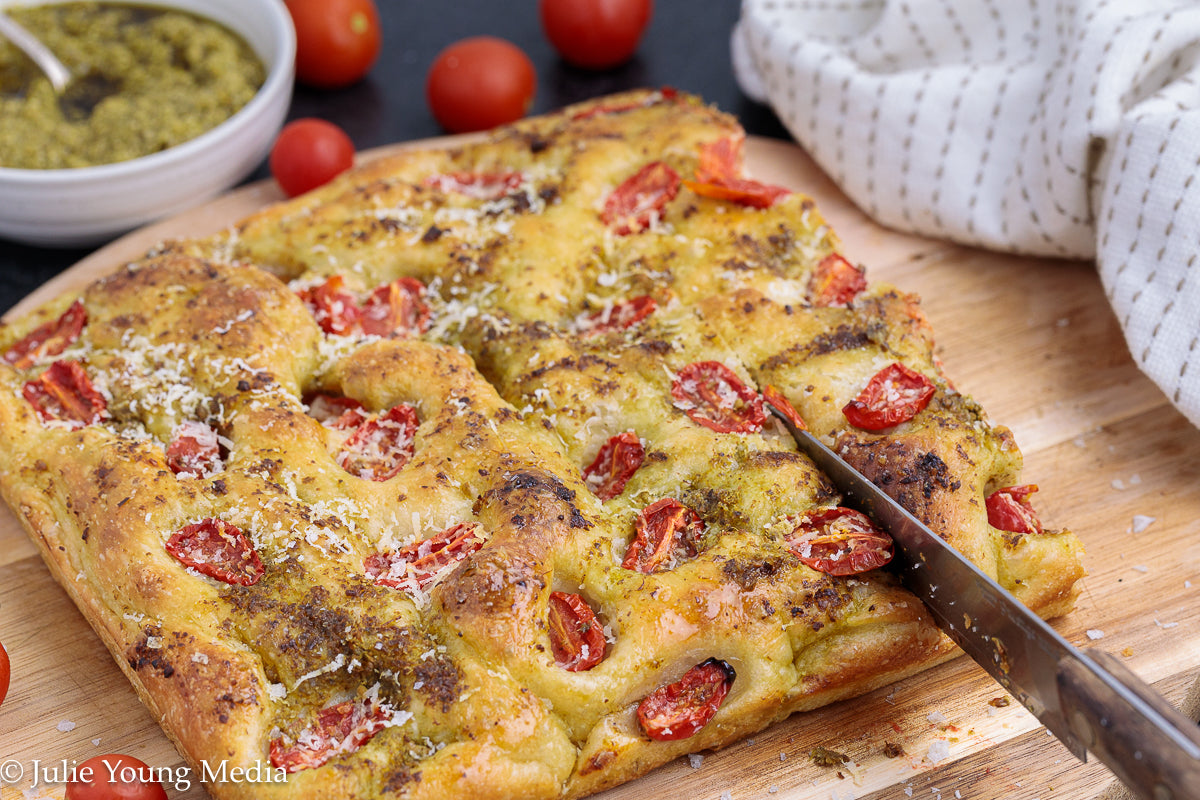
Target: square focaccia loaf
<point x="455" y="477"/>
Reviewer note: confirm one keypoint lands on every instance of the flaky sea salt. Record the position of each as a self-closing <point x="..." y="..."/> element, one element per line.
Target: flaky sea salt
<point x="695" y="760"/>
<point x="1095" y="633"/>
<point x="938" y="751"/>
<point x="66" y="726"/>
<point x="1141" y="522"/>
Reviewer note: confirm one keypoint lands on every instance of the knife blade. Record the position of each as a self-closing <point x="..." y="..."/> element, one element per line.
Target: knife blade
<point x="1088" y="700"/>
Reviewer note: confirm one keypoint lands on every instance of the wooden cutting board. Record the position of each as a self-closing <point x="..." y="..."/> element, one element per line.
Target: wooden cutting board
<point x="1033" y="340"/>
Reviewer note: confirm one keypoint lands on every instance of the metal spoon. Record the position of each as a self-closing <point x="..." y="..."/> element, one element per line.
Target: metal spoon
<point x="59" y="75"/>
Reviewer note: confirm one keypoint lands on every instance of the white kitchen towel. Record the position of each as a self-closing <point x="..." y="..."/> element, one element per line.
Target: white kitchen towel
<point x="1051" y="127"/>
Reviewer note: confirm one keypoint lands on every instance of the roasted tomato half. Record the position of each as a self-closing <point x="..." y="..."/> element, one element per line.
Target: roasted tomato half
<point x="839" y="541"/>
<point x="679" y="710"/>
<point x="219" y="550"/>
<point x="835" y="282"/>
<point x="719" y="176"/>
<point x="64" y="393"/>
<point x="576" y="636"/>
<point x="1009" y="509"/>
<point x="712" y="395"/>
<point x="381" y="445"/>
<point x="417" y="565"/>
<point x="620" y="316"/>
<point x="665" y="532"/>
<point x="614" y="465"/>
<point x="640" y="199"/>
<point x="894" y="395"/>
<point x="194" y="450"/>
<point x="48" y="339"/>
<point x="340" y="728"/>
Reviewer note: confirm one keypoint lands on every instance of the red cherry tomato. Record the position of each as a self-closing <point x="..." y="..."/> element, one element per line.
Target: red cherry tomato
<point x="64" y="392"/>
<point x="340" y="728"/>
<point x="784" y="406"/>
<point x="895" y="394"/>
<point x="619" y="316"/>
<point x="114" y="777"/>
<point x="479" y="83"/>
<point x="4" y="673"/>
<point x="337" y="41"/>
<point x="712" y="395"/>
<point x="639" y="200"/>
<point x="614" y="465"/>
<point x="576" y="636"/>
<point x="418" y="564"/>
<point x="219" y="550"/>
<point x="1009" y="509"/>
<point x="194" y="450"/>
<point x="396" y="309"/>
<point x="835" y="282"/>
<point x="595" y="34"/>
<point x="48" y="339"/>
<point x="665" y="531"/>
<point x="718" y="175"/>
<point x="679" y="710"/>
<point x="380" y="447"/>
<point x="839" y="541"/>
<point x="309" y="153"/>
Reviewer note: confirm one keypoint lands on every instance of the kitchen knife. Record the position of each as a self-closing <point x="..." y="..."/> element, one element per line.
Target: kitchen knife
<point x="1089" y="700"/>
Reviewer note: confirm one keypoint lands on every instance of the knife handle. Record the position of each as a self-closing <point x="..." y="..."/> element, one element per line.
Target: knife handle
<point x="1153" y="748"/>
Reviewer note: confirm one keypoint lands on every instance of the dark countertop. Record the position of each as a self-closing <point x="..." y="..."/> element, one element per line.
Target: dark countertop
<point x="686" y="46"/>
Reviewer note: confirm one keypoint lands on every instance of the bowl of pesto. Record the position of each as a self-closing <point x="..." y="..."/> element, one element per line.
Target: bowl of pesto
<point x="170" y="103"/>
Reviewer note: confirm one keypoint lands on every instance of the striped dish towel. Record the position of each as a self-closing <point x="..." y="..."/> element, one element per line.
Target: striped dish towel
<point x="1049" y="127"/>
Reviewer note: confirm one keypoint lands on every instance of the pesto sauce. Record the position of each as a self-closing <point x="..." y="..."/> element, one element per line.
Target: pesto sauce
<point x="143" y="79"/>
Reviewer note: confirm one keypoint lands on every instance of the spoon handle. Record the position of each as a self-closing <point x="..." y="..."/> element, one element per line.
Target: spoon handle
<point x="29" y="44"/>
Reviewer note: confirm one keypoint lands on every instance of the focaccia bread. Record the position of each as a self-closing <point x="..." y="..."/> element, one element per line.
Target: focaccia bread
<point x="454" y="478"/>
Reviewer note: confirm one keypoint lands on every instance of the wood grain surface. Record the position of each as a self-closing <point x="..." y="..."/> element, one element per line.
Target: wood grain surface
<point x="1033" y="340"/>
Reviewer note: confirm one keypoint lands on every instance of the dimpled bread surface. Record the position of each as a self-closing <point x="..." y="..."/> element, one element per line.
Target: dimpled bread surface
<point x="515" y="393"/>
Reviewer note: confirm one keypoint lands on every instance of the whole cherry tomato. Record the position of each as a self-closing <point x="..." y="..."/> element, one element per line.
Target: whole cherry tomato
<point x="337" y="41"/>
<point x="479" y="83"/>
<point x="4" y="673"/>
<point x="114" y="777"/>
<point x="595" y="34"/>
<point x="310" y="153"/>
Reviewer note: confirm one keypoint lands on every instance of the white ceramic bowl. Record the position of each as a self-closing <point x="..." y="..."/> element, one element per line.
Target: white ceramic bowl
<point x="75" y="207"/>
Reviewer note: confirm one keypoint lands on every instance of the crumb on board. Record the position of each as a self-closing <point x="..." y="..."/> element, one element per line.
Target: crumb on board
<point x="824" y="757"/>
<point x="892" y="750"/>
